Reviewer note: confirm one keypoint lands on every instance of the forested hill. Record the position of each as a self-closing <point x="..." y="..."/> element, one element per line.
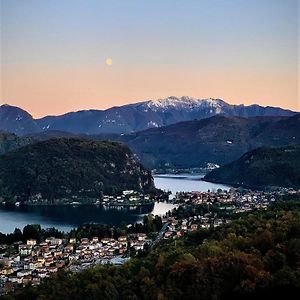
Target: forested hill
<point x="70" y="168"/>
<point x="262" y="167"/>
<point x="219" y="140"/>
<point x="10" y="142"/>
<point x="255" y="257"/>
<point x="192" y="144"/>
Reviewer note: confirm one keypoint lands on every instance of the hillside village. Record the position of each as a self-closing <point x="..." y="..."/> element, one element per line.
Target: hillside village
<point x="34" y="261"/>
<point x="30" y="262"/>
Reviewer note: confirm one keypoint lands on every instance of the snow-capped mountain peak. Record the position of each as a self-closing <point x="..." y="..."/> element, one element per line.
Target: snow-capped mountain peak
<point x="183" y="102"/>
<point x="131" y="117"/>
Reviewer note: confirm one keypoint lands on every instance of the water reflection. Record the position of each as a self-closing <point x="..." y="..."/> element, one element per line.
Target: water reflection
<point x="68" y="217"/>
<point x="186" y="183"/>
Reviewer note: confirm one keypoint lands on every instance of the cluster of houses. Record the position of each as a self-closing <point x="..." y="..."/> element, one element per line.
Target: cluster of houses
<point x="232" y="200"/>
<point x="128" y="197"/>
<point x="179" y="227"/>
<point x="176" y="227"/>
<point x="34" y="261"/>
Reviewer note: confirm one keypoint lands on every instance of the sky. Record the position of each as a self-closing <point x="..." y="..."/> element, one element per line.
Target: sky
<point x="66" y="55"/>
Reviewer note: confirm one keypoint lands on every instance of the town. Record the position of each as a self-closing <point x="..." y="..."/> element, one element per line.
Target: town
<point x="30" y="262"/>
<point x="126" y="198"/>
<point x="34" y="261"/>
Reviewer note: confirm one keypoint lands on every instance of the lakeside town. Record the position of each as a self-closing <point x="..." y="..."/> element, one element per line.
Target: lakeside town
<point x="34" y="261"/>
<point x="30" y="262"/>
<point x="126" y="198"/>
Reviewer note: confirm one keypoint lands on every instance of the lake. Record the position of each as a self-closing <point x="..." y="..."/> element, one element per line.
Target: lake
<point x="67" y="217"/>
<point x="185" y="183"/>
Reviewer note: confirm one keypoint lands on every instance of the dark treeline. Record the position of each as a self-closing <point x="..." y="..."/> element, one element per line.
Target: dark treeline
<point x="190" y="210"/>
<point x="30" y="231"/>
<point x="33" y="231"/>
<point x="150" y="224"/>
<point x="256" y="256"/>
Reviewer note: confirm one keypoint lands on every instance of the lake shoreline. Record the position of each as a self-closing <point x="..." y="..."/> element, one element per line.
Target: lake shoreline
<point x="66" y="217"/>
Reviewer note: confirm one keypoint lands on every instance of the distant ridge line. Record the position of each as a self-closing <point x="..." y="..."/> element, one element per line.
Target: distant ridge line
<point x="131" y="117"/>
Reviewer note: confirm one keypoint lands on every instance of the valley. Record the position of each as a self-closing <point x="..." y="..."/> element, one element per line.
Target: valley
<point x="77" y="184"/>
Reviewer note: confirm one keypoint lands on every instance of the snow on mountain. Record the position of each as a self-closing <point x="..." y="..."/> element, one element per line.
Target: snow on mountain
<point x="132" y="117"/>
<point x="184" y="102"/>
<point x="16" y="120"/>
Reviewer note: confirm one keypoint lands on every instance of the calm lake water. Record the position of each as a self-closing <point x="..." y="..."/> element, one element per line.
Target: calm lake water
<point x="185" y="183"/>
<point x="67" y="217"/>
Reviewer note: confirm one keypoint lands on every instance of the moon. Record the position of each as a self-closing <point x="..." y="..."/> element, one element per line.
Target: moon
<point x="109" y="61"/>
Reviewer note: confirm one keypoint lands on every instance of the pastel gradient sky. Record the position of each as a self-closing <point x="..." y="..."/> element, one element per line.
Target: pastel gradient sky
<point x="53" y="52"/>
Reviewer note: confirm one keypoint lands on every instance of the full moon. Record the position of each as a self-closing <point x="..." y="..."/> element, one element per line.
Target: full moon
<point x="109" y="61"/>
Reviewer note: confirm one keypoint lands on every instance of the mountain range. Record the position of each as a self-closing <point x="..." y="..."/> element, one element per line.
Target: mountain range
<point x="192" y="144"/>
<point x="130" y="118"/>
<point x="218" y="140"/>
